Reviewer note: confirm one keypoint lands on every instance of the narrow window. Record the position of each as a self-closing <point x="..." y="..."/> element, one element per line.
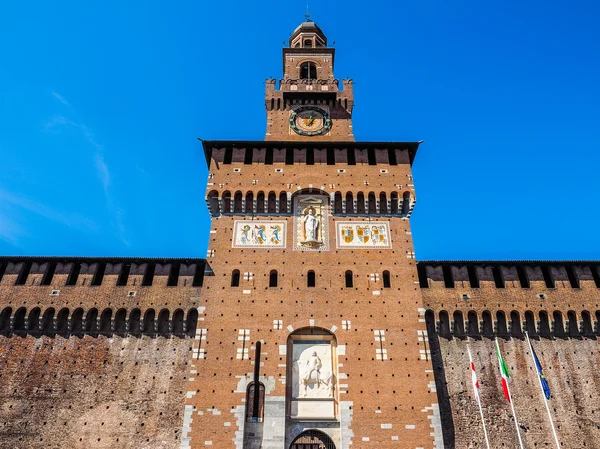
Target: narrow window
<point x="371" y="156"/>
<point x="523" y="278"/>
<point x="383" y="203"/>
<point x="330" y="156"/>
<point x="133" y="324"/>
<point x="289" y="156"/>
<point x="149" y="322"/>
<point x="559" y="325"/>
<point x="488" y="327"/>
<point x="249" y="202"/>
<point x="191" y="323"/>
<point x="178" y="322"/>
<point x="544" y="325"/>
<point x="405" y="203"/>
<point x="310" y="279"/>
<point x="573" y="325"/>
<point x="269" y="156"/>
<point x="473" y="279"/>
<point x="372" y="204"/>
<point x="198" y="274"/>
<point x="19" y="320"/>
<point x="392" y="157"/>
<point x="349" y="203"/>
<point x="501" y="327"/>
<point x="573" y="277"/>
<point x="394" y="203"/>
<point x="360" y="203"/>
<point x="273" y="278"/>
<point x="173" y="275"/>
<point x="472" y="324"/>
<point x="250" y="406"/>
<point x="260" y="203"/>
<point x="459" y="324"/>
<point x="22" y="277"/>
<point x="105" y="321"/>
<point x="120" y="324"/>
<point x="310" y="156"/>
<point x="448" y="278"/>
<point x="515" y="325"/>
<point x="351" y="156"/>
<point x="124" y="274"/>
<point x="99" y="274"/>
<point x="349" y="279"/>
<point x="548" y="279"/>
<point x="587" y="328"/>
<point x="163" y="322"/>
<point x="228" y="156"/>
<point x="422" y="272"/>
<point x="33" y="321"/>
<point x="77" y="321"/>
<point x="49" y="274"/>
<point x="272" y="203"/>
<point x="237" y="202"/>
<point x="235" y="278"/>
<point x="248" y="156"/>
<point x="444" y="325"/>
<point x="387" y="282"/>
<point x="498" y="278"/>
<point x="148" y="275"/>
<point x="530" y="326"/>
<point x="90" y="321"/>
<point x="227" y="202"/>
<point x="337" y="203"/>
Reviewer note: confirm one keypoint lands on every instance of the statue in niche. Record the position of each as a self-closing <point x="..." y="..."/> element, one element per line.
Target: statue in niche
<point x="311" y="226"/>
<point x="314" y="379"/>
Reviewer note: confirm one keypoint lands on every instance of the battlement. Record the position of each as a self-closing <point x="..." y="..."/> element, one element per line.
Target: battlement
<point x="508" y="274"/>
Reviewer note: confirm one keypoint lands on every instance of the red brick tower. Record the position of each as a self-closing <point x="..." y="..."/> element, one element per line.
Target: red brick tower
<point x="312" y="330"/>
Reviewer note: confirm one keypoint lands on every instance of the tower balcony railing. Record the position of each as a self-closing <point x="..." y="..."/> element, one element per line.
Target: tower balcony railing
<point x="308" y="85"/>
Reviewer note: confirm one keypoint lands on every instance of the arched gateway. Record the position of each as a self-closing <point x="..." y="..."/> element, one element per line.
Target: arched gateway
<point x="312" y="439"/>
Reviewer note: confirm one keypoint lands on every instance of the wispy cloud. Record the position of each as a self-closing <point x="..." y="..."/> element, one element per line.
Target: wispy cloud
<point x="70" y="219"/>
<point x="102" y="168"/>
<point x="60" y="98"/>
<point x="10" y="231"/>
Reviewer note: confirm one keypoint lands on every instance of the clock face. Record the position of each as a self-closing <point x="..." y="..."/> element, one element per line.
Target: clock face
<point x="310" y="121"/>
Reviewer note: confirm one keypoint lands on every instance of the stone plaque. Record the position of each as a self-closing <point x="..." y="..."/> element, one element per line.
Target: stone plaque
<point x="259" y="234"/>
<point x="363" y="235"/>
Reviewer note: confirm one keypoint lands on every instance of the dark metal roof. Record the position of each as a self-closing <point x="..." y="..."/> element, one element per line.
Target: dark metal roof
<point x="208" y="145"/>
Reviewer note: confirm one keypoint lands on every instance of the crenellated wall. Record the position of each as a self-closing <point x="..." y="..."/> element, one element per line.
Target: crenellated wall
<point x="557" y="304"/>
<point x="96" y="352"/>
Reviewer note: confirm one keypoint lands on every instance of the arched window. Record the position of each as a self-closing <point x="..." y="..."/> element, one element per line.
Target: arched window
<point x="48" y="321"/>
<point x="360" y="203"/>
<point x="213" y="202"/>
<point x="349" y="279"/>
<point x="252" y="414"/>
<point x="90" y="321"/>
<point x="178" y="322"/>
<point x="459" y="324"/>
<point x="105" y="321"/>
<point x="444" y="325"/>
<point x="559" y="326"/>
<point x="394" y="203"/>
<point x="530" y="326"/>
<point x="308" y="71"/>
<point x="272" y="203"/>
<point x="487" y="328"/>
<point x="134" y="324"/>
<point x="311" y="279"/>
<point x="383" y="203"/>
<point x="237" y="203"/>
<point x="120" y="323"/>
<point x="33" y="321"/>
<point x="308" y="43"/>
<point x="573" y="324"/>
<point x="5" y="319"/>
<point x="337" y="203"/>
<point x="163" y="322"/>
<point x="62" y="321"/>
<point x="148" y="326"/>
<point x="349" y="203"/>
<point x="587" y="329"/>
<point x="544" y="325"/>
<point x="235" y="278"/>
<point x="273" y="278"/>
<point x="387" y="281"/>
<point x="191" y="323"/>
<point x="77" y="322"/>
<point x="312" y="439"/>
<point x="472" y="324"/>
<point x="19" y="321"/>
<point x="249" y="202"/>
<point x="283" y="203"/>
<point x="226" y="202"/>
<point x="405" y="203"/>
<point x="372" y="204"/>
<point x="260" y="203"/>
<point x="501" y="328"/>
<point x="515" y="325"/>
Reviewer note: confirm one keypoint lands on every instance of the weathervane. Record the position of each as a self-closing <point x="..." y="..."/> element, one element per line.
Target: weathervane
<point x="307" y="15"/>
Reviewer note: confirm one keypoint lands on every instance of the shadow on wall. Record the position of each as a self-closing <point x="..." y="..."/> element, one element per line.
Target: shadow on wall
<point x="440" y="382"/>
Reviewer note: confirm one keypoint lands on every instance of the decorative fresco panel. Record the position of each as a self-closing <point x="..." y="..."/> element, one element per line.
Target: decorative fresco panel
<point x="259" y="234"/>
<point x="363" y="234"/>
<point x="311" y="223"/>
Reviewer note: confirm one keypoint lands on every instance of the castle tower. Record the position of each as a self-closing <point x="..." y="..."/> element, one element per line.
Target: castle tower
<point x="311" y="329"/>
<point x="310" y="91"/>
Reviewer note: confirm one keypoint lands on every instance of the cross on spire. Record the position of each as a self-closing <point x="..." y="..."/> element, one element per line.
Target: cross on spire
<point x="307" y="15"/>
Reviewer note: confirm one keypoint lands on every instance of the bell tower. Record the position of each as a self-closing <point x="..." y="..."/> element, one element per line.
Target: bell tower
<point x="308" y="103"/>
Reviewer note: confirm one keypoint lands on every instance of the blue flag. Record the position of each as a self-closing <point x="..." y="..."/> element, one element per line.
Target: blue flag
<point x="538" y="367"/>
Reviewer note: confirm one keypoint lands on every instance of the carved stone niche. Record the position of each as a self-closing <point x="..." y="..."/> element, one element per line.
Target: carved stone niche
<point x="311" y="227"/>
<point x="312" y="365"/>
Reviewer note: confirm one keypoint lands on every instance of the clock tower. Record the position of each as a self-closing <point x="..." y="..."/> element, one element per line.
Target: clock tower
<point x="308" y="103"/>
<point x="312" y="332"/>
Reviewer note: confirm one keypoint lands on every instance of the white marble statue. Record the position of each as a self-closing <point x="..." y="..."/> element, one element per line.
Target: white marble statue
<point x="311" y="226"/>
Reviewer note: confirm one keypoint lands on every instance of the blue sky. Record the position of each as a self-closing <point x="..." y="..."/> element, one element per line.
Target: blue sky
<point x="101" y="104"/>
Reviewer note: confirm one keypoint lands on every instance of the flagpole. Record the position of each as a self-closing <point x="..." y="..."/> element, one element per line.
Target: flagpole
<point x="512" y="405"/>
<point x="487" y="441"/>
<point x="543" y="394"/>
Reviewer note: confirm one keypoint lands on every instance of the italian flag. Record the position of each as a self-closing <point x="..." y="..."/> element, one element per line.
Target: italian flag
<point x="504" y="372"/>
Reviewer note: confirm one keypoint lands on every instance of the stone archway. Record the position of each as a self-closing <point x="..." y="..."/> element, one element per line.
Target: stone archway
<point x="312" y="439"/>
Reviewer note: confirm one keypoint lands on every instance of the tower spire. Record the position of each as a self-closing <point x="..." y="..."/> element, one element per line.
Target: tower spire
<point x="307" y="15"/>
